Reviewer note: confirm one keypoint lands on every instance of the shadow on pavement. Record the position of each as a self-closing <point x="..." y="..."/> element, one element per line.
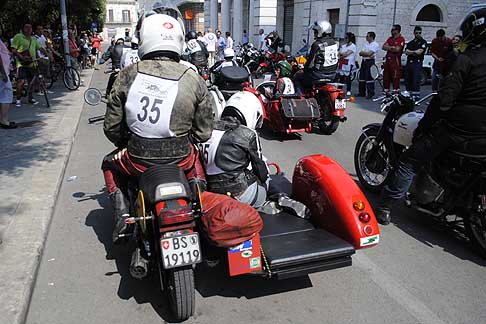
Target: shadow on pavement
<point x="143" y="291"/>
<point x="267" y="134"/>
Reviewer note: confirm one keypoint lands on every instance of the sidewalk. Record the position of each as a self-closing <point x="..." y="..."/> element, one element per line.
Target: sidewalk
<point x="32" y="166"/>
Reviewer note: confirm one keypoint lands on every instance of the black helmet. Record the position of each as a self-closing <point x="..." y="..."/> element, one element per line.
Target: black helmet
<point x="191" y="35"/>
<point x="473" y="26"/>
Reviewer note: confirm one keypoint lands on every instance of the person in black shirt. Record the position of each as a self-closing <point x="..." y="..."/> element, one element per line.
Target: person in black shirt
<point x="415" y="51"/>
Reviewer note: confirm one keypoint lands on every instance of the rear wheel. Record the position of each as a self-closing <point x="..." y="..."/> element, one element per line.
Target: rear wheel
<point x="372" y="162"/>
<point x="181" y="292"/>
<point x="475" y="228"/>
<point x="328" y="123"/>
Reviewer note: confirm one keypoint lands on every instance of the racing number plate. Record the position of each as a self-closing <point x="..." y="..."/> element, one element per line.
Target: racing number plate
<point x="180" y="250"/>
<point x="340" y="104"/>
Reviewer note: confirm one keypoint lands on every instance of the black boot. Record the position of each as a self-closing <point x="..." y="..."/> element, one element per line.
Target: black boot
<point x="293" y="206"/>
<point x="382" y="213"/>
<point x="120" y="206"/>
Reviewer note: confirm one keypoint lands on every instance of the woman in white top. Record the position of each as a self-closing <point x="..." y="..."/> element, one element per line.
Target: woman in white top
<point x="347" y="61"/>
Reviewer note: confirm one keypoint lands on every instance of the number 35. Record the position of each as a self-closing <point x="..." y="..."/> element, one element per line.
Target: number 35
<point x="155" y="109"/>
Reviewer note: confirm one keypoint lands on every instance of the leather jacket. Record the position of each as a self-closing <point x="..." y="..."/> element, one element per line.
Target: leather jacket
<point x="228" y="155"/>
<point x="315" y="62"/>
<point x="114" y="53"/>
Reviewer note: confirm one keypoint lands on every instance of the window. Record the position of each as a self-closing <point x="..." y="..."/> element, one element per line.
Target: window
<point x="110" y="15"/>
<point x="430" y="13"/>
<point x="333" y="19"/>
<point x="126" y="15"/>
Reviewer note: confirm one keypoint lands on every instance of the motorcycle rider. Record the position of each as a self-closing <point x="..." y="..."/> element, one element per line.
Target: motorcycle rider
<point x="156" y="110"/>
<point x="196" y="50"/>
<point x="283" y="84"/>
<point x="322" y="62"/>
<point x="115" y="53"/>
<point x="457" y="114"/>
<point x="233" y="146"/>
<point x="229" y="55"/>
<point x="273" y="41"/>
<point x="130" y="56"/>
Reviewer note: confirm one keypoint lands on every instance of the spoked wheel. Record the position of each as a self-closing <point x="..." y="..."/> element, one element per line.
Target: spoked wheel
<point x="71" y="78"/>
<point x="475" y="228"/>
<point x="43" y="87"/>
<point x="264" y="88"/>
<point x="328" y="123"/>
<point x="372" y="162"/>
<point x="181" y="290"/>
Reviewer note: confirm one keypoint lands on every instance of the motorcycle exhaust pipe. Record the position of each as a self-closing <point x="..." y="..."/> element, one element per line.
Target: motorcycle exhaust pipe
<point x="138" y="266"/>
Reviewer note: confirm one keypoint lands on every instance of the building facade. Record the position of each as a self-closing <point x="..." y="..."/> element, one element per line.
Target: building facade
<point x="120" y="15"/>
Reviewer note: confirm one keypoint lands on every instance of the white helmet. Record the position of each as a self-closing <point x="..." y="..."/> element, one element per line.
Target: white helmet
<point x="229" y="53"/>
<point x="322" y="27"/>
<point x="119" y="37"/>
<point x="246" y="107"/>
<point x="405" y="127"/>
<point x="160" y="33"/>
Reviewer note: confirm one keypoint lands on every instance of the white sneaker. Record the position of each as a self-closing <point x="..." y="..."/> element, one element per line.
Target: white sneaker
<point x="348" y="93"/>
<point x="18" y="104"/>
<point x="33" y="101"/>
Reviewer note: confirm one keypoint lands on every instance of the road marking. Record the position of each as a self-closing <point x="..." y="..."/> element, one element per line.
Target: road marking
<point x="395" y="290"/>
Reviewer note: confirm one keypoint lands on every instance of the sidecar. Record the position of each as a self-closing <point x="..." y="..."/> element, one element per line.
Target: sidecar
<point x="341" y="222"/>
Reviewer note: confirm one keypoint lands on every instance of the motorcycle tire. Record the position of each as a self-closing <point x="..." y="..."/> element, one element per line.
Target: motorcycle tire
<point x="475" y="229"/>
<point x="181" y="290"/>
<point x="360" y="163"/>
<point x="328" y="123"/>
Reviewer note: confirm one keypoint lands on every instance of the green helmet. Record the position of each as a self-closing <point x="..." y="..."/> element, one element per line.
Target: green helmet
<point x="285" y="68"/>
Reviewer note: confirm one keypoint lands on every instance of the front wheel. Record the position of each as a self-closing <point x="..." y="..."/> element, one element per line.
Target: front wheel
<point x="372" y="162"/>
<point x="475" y="228"/>
<point x="181" y="292"/>
<point x="328" y="123"/>
<point x="71" y="78"/>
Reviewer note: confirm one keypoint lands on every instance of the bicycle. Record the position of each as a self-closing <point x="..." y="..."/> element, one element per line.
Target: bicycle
<point x="70" y="76"/>
<point x="38" y="79"/>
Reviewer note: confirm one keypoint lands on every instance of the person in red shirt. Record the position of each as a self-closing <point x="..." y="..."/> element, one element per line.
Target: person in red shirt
<point x="95" y="48"/>
<point x="394" y="48"/>
<point x="441" y="48"/>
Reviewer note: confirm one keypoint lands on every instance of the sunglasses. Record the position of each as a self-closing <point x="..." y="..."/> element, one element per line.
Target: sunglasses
<point x="418" y="33"/>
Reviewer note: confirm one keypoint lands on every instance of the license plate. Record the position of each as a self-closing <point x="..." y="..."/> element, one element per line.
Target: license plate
<point x="180" y="250"/>
<point x="340" y="104"/>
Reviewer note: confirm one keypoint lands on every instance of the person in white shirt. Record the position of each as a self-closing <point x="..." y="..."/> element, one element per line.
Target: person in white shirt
<point x="245" y="39"/>
<point x="347" y="60"/>
<point x="229" y="40"/>
<point x="368" y="53"/>
<point x="261" y="39"/>
<point x="211" y="41"/>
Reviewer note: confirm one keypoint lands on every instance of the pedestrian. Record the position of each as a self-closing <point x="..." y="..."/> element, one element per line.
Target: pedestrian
<point x="394" y="48"/>
<point x="221" y="45"/>
<point x="347" y="58"/>
<point x="24" y="48"/>
<point x="456" y="42"/>
<point x="6" y="91"/>
<point x="229" y="40"/>
<point x="74" y="50"/>
<point x="415" y="51"/>
<point x="440" y="49"/>
<point x="95" y="48"/>
<point x="200" y="37"/>
<point x="210" y="40"/>
<point x="368" y="53"/>
<point x="244" y="38"/>
<point x="261" y="39"/>
<point x="44" y="60"/>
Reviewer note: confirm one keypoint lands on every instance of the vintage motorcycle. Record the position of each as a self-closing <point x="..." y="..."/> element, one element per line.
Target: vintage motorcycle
<point x="248" y="56"/>
<point x="270" y="60"/>
<point x="451" y="189"/>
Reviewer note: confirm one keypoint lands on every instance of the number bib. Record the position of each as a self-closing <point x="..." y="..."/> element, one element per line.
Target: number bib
<point x="130" y="57"/>
<point x="193" y="46"/>
<point x="331" y="56"/>
<point x="289" y="87"/>
<point x="208" y="151"/>
<point x="149" y="106"/>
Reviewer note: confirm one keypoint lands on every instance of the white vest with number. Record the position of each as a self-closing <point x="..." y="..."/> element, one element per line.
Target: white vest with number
<point x="289" y="86"/>
<point x="193" y="46"/>
<point x="149" y="106"/>
<point x="208" y="152"/>
<point x="129" y="57"/>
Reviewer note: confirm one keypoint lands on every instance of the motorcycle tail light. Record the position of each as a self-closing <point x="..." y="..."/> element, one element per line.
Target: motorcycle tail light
<point x="368" y="230"/>
<point x="205" y="76"/>
<point x="364" y="217"/>
<point x="174" y="212"/>
<point x="359" y="205"/>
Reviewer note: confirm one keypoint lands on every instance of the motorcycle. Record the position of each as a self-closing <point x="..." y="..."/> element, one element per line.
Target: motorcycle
<point x="270" y="59"/>
<point x="248" y="56"/>
<point x="454" y="184"/>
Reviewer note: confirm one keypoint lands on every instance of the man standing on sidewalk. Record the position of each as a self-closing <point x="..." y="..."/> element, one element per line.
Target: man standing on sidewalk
<point x="368" y="53"/>
<point x="210" y="40"/>
<point x="394" y="48"/>
<point x="415" y="51"/>
<point x="6" y="91"/>
<point x="440" y="50"/>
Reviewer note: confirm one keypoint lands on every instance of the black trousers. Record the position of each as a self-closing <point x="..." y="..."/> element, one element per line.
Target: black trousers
<point x="366" y="81"/>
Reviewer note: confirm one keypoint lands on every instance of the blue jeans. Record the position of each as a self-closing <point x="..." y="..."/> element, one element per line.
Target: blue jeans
<point x="413" y="73"/>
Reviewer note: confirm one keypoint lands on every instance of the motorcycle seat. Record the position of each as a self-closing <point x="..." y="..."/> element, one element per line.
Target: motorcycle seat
<point x="163" y="182"/>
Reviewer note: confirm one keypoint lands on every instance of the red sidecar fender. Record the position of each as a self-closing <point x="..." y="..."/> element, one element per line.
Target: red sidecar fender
<point x="337" y="203"/>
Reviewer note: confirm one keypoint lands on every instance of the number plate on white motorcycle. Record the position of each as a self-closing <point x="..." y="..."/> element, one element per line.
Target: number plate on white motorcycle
<point x="340" y="104"/>
<point x="180" y="250"/>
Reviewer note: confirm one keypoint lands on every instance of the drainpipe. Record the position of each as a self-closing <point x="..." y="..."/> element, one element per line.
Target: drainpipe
<point x="394" y="11"/>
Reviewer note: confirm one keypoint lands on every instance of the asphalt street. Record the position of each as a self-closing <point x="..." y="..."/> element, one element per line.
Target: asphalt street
<point x="419" y="273"/>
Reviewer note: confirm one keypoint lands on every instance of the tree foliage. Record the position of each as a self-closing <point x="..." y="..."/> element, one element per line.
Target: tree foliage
<point x="13" y="13"/>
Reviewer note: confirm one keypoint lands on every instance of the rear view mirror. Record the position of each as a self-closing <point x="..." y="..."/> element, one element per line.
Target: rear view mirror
<point x="93" y="96"/>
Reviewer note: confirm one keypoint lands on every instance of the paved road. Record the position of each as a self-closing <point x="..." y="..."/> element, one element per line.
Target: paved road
<point x="417" y="274"/>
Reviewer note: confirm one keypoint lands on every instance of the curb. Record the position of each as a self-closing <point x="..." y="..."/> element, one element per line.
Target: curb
<point x="24" y="240"/>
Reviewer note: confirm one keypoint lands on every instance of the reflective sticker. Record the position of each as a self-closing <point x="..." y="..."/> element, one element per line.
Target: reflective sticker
<point x="254" y="263"/>
<point x="369" y="240"/>
<point x="247" y="245"/>
<point x="149" y="106"/>
<point x="246" y="254"/>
